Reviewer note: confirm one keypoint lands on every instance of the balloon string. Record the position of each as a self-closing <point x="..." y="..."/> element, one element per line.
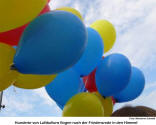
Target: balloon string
<point x="84" y="87"/>
<point x="1" y="96"/>
<point x="86" y="81"/>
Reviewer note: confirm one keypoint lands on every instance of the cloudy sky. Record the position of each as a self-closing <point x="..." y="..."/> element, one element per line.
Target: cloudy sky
<point x="134" y="21"/>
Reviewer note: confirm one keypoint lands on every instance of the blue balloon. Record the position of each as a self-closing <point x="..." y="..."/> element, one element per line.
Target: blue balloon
<point x="81" y="89"/>
<point x="113" y="74"/>
<point x="64" y="86"/>
<point x="92" y="55"/>
<point x="134" y="89"/>
<point x="52" y="43"/>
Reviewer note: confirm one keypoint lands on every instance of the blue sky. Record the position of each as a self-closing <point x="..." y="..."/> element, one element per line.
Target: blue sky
<point x="134" y="21"/>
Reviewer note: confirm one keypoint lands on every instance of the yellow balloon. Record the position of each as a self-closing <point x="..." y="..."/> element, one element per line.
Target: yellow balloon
<point x="27" y="81"/>
<point x="15" y="13"/>
<point x="71" y="10"/>
<point x="107" y="104"/>
<point x="7" y="76"/>
<point x="107" y="32"/>
<point x="83" y="105"/>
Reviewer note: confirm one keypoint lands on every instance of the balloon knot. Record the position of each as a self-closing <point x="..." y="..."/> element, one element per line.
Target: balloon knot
<point x="12" y="67"/>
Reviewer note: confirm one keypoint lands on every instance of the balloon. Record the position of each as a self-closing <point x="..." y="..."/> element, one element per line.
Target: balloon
<point x="107" y="32"/>
<point x="89" y="82"/>
<point x="114" y="101"/>
<point x="52" y="43"/>
<point x="13" y="36"/>
<point x="7" y="76"/>
<point x="64" y="86"/>
<point x="135" y="87"/>
<point x="71" y="10"/>
<point x="83" y="105"/>
<point x="33" y="81"/>
<point x="113" y="74"/>
<point x="106" y="103"/>
<point x="15" y="13"/>
<point x="92" y="54"/>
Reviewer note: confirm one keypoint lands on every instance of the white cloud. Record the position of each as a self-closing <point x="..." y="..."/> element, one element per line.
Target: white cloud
<point x="43" y="94"/>
<point x="57" y="3"/>
<point x="150" y="86"/>
<point x="28" y="103"/>
<point x="13" y="103"/>
<point x="46" y="99"/>
<point x="134" y="21"/>
<point x="120" y="12"/>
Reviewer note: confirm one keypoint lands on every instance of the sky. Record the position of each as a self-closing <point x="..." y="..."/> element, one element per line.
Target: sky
<point x="134" y="21"/>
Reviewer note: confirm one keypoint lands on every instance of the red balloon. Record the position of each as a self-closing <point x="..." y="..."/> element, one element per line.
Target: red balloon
<point x="114" y="101"/>
<point x="89" y="82"/>
<point x="12" y="37"/>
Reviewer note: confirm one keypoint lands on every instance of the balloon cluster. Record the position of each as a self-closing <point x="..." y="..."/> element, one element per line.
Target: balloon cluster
<point x="57" y="51"/>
